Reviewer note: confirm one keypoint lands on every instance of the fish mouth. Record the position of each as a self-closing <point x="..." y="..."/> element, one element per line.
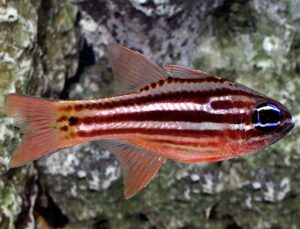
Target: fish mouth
<point x="289" y="128"/>
<point x="286" y="130"/>
<point x="283" y="132"/>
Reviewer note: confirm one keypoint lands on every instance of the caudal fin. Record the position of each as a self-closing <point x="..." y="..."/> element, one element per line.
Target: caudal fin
<point x="36" y="117"/>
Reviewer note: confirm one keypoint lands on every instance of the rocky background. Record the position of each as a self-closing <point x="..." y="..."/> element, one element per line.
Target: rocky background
<point x="57" y="49"/>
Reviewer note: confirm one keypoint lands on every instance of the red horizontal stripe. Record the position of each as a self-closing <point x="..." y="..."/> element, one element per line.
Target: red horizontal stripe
<point x="172" y="132"/>
<point x="227" y="104"/>
<point x="201" y="96"/>
<point x="182" y="116"/>
<point x="182" y="142"/>
<point x="234" y="134"/>
<point x="226" y="134"/>
<point x="171" y="80"/>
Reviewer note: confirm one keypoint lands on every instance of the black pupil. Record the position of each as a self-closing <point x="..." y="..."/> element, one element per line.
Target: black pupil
<point x="266" y="117"/>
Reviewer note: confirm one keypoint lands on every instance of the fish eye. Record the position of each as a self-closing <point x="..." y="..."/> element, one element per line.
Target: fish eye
<point x="266" y="117"/>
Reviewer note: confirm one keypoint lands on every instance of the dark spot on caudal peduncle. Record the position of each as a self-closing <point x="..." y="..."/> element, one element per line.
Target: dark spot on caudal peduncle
<point x="73" y="121"/>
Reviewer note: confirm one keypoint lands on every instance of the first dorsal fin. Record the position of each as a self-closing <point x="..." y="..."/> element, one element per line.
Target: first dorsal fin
<point x="178" y="71"/>
<point x="138" y="166"/>
<point x="132" y="69"/>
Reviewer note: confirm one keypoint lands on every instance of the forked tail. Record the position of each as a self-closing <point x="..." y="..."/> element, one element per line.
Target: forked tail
<point x="36" y="117"/>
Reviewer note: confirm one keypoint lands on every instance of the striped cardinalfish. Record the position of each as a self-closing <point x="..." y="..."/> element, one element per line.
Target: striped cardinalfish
<point x="167" y="112"/>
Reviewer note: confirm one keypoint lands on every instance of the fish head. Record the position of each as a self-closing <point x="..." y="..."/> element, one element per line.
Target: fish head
<point x="270" y="121"/>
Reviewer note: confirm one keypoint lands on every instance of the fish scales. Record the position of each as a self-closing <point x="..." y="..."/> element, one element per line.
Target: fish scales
<point x="172" y="112"/>
<point x="159" y="112"/>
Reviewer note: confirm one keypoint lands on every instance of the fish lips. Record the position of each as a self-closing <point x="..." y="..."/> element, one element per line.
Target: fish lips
<point x="283" y="131"/>
<point x="288" y="128"/>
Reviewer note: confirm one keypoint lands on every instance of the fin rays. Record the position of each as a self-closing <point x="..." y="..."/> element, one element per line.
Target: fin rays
<point x="138" y="166"/>
<point x="36" y="119"/>
<point x="132" y="69"/>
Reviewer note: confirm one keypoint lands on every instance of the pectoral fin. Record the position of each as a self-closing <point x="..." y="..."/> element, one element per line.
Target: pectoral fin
<point x="138" y="166"/>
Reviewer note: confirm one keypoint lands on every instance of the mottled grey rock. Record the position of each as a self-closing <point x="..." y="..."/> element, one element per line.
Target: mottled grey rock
<point x="253" y="42"/>
<point x="229" y="40"/>
<point x="18" y="32"/>
<point x="165" y="30"/>
<point x="38" y="51"/>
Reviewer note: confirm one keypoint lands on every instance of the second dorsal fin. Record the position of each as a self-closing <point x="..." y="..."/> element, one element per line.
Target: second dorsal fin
<point x="132" y="69"/>
<point x="178" y="71"/>
<point x="138" y="166"/>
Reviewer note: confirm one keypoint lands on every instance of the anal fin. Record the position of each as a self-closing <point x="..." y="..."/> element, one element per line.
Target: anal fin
<point x="138" y="166"/>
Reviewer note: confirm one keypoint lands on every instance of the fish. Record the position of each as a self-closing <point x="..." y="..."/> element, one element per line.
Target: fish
<point x="171" y="112"/>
